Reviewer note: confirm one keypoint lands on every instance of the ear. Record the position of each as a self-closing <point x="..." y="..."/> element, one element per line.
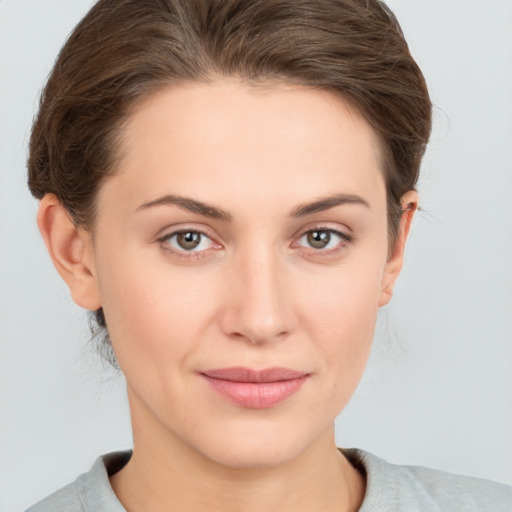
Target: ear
<point x="71" y="251"/>
<point x="396" y="259"/>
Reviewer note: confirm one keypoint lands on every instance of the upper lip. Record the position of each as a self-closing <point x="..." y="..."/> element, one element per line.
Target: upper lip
<point x="241" y="374"/>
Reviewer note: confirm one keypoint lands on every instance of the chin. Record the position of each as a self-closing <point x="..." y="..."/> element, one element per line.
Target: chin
<point x="257" y="447"/>
<point x="253" y="457"/>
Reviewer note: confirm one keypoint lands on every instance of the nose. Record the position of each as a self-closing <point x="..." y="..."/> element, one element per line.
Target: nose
<point x="259" y="305"/>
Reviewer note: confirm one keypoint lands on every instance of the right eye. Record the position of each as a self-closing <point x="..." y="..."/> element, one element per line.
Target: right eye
<point x="187" y="242"/>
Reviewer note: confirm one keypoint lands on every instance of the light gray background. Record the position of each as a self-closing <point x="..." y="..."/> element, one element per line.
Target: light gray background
<point x="438" y="389"/>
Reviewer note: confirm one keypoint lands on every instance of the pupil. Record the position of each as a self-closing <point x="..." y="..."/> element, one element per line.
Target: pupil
<point x="319" y="239"/>
<point x="189" y="240"/>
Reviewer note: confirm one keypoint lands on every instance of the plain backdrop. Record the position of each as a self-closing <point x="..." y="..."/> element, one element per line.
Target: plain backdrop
<point x="438" y="388"/>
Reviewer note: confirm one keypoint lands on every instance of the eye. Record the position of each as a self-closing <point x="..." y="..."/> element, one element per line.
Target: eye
<point x="186" y="241"/>
<point x="324" y="239"/>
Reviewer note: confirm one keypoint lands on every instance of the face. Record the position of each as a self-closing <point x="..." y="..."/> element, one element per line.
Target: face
<point x="240" y="256"/>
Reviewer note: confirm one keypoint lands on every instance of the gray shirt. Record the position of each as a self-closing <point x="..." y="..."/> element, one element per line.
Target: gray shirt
<point x="390" y="488"/>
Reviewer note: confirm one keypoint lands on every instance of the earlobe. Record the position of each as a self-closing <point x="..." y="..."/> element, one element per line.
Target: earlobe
<point x="70" y="249"/>
<point x="396" y="259"/>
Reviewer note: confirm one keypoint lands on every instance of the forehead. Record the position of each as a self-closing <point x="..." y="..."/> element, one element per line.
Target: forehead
<point x="227" y="138"/>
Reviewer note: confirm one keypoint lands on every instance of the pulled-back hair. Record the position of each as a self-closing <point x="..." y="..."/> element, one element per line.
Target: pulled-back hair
<point x="124" y="50"/>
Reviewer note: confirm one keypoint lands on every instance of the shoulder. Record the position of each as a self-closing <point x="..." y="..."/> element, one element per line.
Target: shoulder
<point x="67" y="499"/>
<point x="392" y="487"/>
<point x="90" y="492"/>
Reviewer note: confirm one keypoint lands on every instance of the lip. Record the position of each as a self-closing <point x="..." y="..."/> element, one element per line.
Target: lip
<point x="255" y="389"/>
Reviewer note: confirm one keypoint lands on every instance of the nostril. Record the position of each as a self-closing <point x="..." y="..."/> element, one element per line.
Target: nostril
<point x="260" y="336"/>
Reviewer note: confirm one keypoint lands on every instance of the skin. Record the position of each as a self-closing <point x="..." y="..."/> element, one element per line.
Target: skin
<point x="254" y="293"/>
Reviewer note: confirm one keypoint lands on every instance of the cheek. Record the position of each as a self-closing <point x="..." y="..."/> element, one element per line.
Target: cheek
<point x="153" y="311"/>
<point x="348" y="330"/>
<point x="344" y="301"/>
<point x="341" y="317"/>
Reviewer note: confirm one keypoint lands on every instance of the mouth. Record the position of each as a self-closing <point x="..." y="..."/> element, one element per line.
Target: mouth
<point x="255" y="389"/>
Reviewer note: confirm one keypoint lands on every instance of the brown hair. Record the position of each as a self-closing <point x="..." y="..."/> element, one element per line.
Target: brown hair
<point x="124" y="50"/>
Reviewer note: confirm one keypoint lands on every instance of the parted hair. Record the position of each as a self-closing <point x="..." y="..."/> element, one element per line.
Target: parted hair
<point x="122" y="51"/>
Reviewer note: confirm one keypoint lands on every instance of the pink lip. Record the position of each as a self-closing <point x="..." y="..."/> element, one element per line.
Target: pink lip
<point x="255" y="389"/>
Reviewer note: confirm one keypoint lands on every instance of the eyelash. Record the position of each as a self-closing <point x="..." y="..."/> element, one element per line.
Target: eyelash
<point x="183" y="254"/>
<point x="345" y="240"/>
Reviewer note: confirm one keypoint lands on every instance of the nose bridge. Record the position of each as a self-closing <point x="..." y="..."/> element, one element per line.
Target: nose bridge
<point x="260" y="307"/>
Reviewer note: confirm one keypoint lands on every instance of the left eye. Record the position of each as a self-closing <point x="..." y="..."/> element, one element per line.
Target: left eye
<point x="188" y="241"/>
<point x="321" y="239"/>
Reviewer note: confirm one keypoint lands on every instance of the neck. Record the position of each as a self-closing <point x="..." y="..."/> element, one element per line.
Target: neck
<point x="166" y="474"/>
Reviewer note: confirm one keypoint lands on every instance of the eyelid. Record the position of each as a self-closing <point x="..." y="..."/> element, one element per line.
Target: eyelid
<point x="182" y="227"/>
<point x="170" y="232"/>
<point x="345" y="232"/>
<point x="346" y="239"/>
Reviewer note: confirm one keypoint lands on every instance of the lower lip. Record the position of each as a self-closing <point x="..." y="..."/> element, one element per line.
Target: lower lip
<point x="256" y="395"/>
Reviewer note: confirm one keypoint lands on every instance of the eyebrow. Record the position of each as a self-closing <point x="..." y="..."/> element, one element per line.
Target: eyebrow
<point x="213" y="212"/>
<point x="187" y="203"/>
<point x="328" y="202"/>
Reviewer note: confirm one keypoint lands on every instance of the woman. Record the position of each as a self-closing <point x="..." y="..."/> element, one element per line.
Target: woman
<point x="229" y="187"/>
